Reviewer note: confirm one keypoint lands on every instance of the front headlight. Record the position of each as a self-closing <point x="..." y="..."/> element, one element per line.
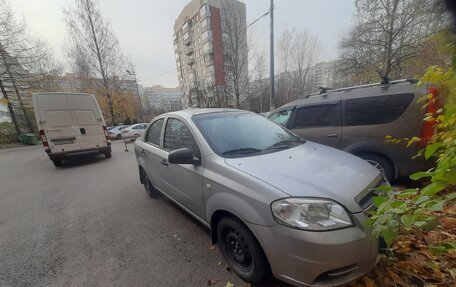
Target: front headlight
<point x="310" y="214"/>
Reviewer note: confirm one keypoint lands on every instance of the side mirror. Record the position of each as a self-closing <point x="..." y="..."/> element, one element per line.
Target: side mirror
<point x="183" y="156"/>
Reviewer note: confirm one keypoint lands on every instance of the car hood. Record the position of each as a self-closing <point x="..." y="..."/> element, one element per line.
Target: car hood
<point x="312" y="170"/>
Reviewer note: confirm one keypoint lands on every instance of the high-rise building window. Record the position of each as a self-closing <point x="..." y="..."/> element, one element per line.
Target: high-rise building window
<point x="205" y="23"/>
<point x="204" y="10"/>
<point x="207" y="48"/>
<point x="207" y="36"/>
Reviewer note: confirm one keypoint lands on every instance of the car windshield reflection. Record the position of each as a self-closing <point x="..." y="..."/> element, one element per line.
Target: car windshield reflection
<point x="240" y="134"/>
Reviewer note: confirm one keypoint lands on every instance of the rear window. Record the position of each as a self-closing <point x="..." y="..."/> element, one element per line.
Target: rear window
<point x="376" y="110"/>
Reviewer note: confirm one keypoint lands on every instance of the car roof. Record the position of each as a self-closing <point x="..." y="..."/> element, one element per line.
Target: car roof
<point x="199" y="111"/>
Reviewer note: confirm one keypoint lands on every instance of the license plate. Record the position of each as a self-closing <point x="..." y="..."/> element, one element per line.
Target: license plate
<point x="63" y="141"/>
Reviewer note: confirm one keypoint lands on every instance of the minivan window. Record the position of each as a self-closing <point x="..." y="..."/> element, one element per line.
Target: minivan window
<point x="316" y="116"/>
<point x="178" y="136"/>
<point x="281" y="117"/>
<point x="154" y="133"/>
<point x="376" y="110"/>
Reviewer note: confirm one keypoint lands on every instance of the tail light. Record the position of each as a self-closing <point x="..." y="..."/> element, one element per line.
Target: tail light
<point x="428" y="129"/>
<point x="43" y="138"/>
<point x="106" y="132"/>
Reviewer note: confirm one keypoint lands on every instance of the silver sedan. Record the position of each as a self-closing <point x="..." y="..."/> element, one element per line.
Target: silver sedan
<point x="272" y="200"/>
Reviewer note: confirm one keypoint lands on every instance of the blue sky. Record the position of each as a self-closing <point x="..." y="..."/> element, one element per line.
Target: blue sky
<point x="144" y="27"/>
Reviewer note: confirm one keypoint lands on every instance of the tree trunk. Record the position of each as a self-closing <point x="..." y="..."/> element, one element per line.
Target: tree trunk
<point x="10" y="108"/>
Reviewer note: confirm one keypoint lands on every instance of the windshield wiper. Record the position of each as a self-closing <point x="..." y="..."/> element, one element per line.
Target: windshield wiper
<point x="245" y="150"/>
<point x="285" y="144"/>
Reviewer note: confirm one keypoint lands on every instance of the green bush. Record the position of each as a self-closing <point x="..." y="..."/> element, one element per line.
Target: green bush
<point x="7" y="133"/>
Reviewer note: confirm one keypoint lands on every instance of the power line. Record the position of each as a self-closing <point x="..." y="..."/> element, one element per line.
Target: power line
<point x="160" y="75"/>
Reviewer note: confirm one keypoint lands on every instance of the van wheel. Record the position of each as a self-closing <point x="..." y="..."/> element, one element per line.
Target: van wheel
<point x="381" y="164"/>
<point x="57" y="162"/>
<point x="241" y="249"/>
<point x="107" y="154"/>
<point x="150" y="190"/>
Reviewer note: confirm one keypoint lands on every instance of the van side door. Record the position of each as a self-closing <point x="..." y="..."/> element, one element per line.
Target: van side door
<point x="320" y="123"/>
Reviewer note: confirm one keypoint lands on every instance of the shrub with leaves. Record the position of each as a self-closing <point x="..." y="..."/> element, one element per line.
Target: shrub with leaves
<point x="7" y="133"/>
<point x="419" y="225"/>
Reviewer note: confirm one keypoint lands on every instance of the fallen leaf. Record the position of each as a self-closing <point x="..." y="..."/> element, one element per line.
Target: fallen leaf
<point x="211" y="282"/>
<point x="219" y="263"/>
<point x="212" y="247"/>
<point x="188" y="259"/>
<point x="229" y="284"/>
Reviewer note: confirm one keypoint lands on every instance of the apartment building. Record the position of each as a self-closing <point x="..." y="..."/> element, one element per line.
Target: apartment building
<point x="158" y="98"/>
<point x="201" y="51"/>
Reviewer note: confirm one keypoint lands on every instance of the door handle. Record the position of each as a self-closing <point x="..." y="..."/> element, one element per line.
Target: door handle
<point x="332" y="136"/>
<point x="164" y="162"/>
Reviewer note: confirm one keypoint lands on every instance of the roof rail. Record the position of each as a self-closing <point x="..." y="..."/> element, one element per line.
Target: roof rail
<point x="323" y="90"/>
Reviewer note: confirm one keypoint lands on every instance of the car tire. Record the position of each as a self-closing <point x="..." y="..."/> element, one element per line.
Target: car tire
<point x="57" y="162"/>
<point x="241" y="250"/>
<point x="381" y="163"/>
<point x="119" y="136"/>
<point x="107" y="154"/>
<point x="150" y="190"/>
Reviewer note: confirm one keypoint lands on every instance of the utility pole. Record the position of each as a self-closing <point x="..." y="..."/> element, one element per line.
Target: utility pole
<point x="132" y="73"/>
<point x="272" y="88"/>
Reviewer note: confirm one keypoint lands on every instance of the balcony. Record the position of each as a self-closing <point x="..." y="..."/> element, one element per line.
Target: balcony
<point x="189" y="51"/>
<point x="190" y="61"/>
<point x="187" y="40"/>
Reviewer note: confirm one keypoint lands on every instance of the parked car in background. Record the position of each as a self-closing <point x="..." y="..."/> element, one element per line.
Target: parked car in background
<point x="133" y="131"/>
<point x="116" y="132"/>
<point x="272" y="200"/>
<point x="70" y="124"/>
<point x="357" y="119"/>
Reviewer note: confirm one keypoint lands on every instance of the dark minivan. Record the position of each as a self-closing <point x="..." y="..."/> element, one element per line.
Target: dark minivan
<point x="357" y="119"/>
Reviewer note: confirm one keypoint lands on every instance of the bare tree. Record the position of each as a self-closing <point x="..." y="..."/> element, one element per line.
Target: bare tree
<point x="236" y="48"/>
<point x="259" y="92"/>
<point x="24" y="60"/>
<point x="94" y="49"/>
<point x="386" y="37"/>
<point x="284" y="50"/>
<point x="304" y="52"/>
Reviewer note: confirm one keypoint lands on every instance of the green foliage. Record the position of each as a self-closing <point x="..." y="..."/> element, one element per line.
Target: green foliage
<point x="418" y="210"/>
<point x="7" y="133"/>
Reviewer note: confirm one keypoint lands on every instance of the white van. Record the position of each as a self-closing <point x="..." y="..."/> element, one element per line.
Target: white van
<point x="70" y="124"/>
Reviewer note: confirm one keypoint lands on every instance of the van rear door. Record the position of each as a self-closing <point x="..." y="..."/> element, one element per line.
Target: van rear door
<point x="88" y="120"/>
<point x="57" y="122"/>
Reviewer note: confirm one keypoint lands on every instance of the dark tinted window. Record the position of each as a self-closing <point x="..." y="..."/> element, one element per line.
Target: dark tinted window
<point x="376" y="110"/>
<point x="154" y="133"/>
<point x="316" y="116"/>
<point x="178" y="136"/>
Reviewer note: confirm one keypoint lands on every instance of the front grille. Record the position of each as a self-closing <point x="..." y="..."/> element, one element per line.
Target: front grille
<point x="365" y="198"/>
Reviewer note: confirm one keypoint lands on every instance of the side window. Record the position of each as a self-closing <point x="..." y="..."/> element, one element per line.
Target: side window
<point x="178" y="136"/>
<point x="281" y="117"/>
<point x="154" y="133"/>
<point x="376" y="110"/>
<point x="316" y="116"/>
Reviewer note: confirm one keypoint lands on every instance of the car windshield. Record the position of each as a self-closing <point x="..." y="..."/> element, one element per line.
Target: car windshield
<point x="239" y="134"/>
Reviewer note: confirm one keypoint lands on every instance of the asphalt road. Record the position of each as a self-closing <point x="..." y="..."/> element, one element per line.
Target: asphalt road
<point x="90" y="223"/>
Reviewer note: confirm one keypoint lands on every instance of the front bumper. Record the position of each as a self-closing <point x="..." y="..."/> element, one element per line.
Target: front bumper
<point x="329" y="258"/>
